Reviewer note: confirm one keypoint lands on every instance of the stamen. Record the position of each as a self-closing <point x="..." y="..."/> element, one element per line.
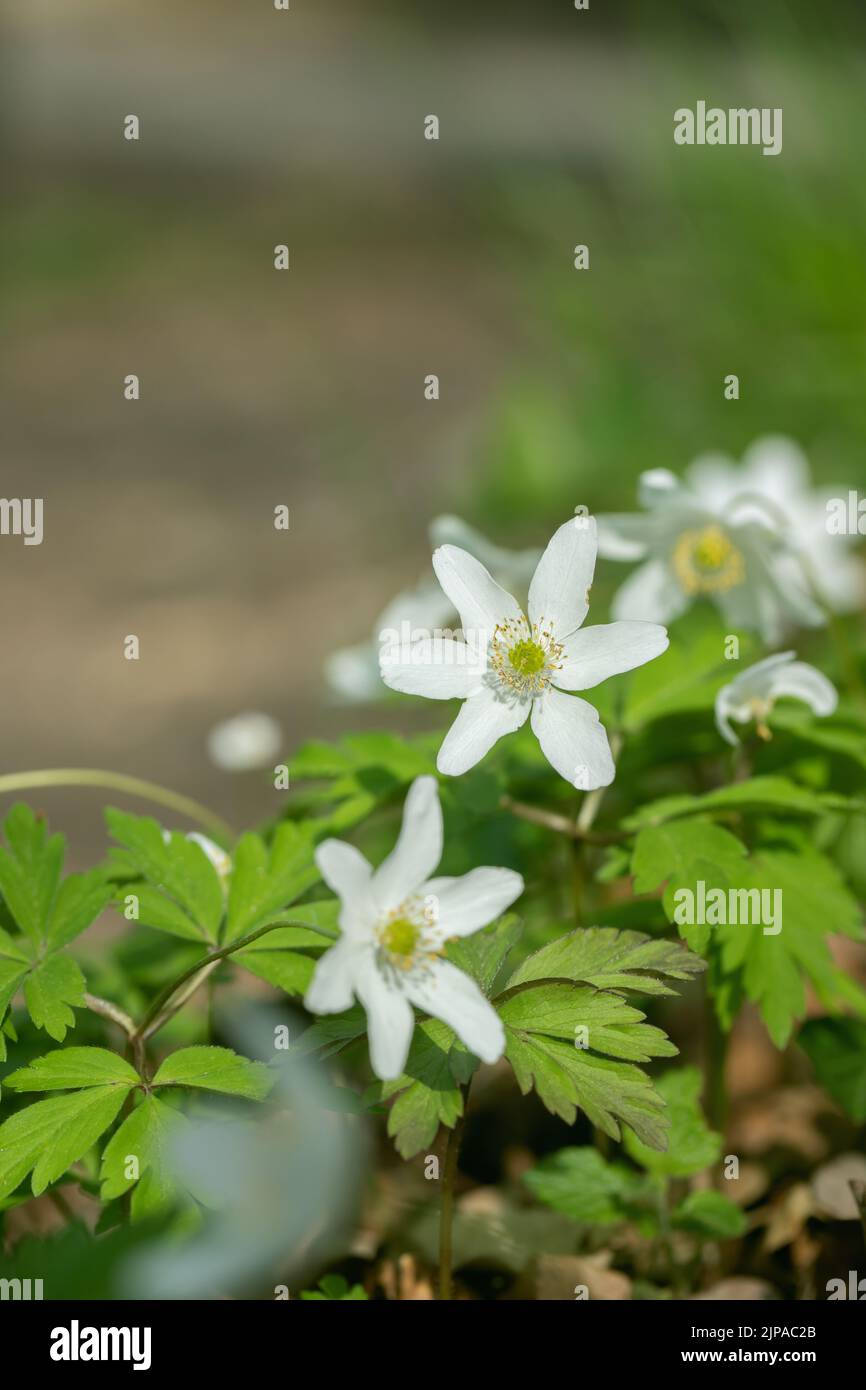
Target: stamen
<point x="524" y="657"/>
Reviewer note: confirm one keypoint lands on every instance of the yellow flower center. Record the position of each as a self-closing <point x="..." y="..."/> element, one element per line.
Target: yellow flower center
<point x="400" y="937"/>
<point x="524" y="657"/>
<point x="527" y="658"/>
<point x="707" y="561"/>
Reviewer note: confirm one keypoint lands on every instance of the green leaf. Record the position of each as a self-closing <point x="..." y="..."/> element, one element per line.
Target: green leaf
<point x="836" y="1047"/>
<point x="567" y="1078"/>
<point x="152" y="908"/>
<point x="583" y="1185"/>
<point x="287" y="970"/>
<point x="145" y="1135"/>
<point x="561" y="1009"/>
<point x="332" y="1032"/>
<point x="611" y="959"/>
<point x="773" y="968"/>
<point x="51" y="1135"/>
<point x="483" y="954"/>
<point x="50" y="990"/>
<point x="30" y="870"/>
<point x="692" y="1146"/>
<point x="756" y="794"/>
<point x="684" y="678"/>
<point x="215" y="1069"/>
<point x="79" y="901"/>
<point x="178" y="867"/>
<point x="266" y="879"/>
<point x="334" y="1288"/>
<point x="710" y="1214"/>
<point x="71" y="1067"/>
<point x="427" y="1094"/>
<point x="680" y="855"/>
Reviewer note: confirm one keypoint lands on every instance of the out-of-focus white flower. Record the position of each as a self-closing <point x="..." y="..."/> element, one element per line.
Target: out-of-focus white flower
<point x="395" y="922"/>
<point x="353" y="672"/>
<point x="753" y="693"/>
<point x="511" y="667"/>
<point x="749" y="537"/>
<point x="248" y="741"/>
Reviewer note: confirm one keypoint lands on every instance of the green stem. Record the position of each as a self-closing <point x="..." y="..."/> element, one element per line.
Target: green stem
<point x="118" y="782"/>
<point x="715" y="1057"/>
<point x="158" y="1014"/>
<point x="446" y="1214"/>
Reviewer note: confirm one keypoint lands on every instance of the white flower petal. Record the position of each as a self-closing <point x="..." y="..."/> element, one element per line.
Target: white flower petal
<point x="418" y="848"/>
<point x="390" y="1020"/>
<point x="438" y="668"/>
<point x="331" y="989"/>
<point x="624" y="535"/>
<point x="724" y="712"/>
<point x="482" y="720"/>
<point x="651" y="594"/>
<point x="573" y="739"/>
<point x="507" y="566"/>
<point x="657" y="487"/>
<point x="464" y="905"/>
<point x="804" y="682"/>
<point x="479" y="600"/>
<point x="347" y="873"/>
<point x="594" y="654"/>
<point x="446" y="993"/>
<point x="559" y="592"/>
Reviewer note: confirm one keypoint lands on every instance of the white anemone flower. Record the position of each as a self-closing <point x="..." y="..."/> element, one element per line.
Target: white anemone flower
<point x="753" y="693"/>
<point x="352" y="673"/>
<point x="751" y="539"/>
<point x="395" y="922"/>
<point x="244" y="743"/>
<point x="512" y="666"/>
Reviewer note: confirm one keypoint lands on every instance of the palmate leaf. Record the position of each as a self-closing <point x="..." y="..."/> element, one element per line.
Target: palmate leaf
<point x="584" y="1185"/>
<point x="69" y="1068"/>
<point x="572" y="989"/>
<point x="50" y="989"/>
<point x="146" y="1135"/>
<point x="691" y="1145"/>
<point x="356" y="775"/>
<point x="215" y="1069"/>
<point x="267" y="878"/>
<point x="182" y="893"/>
<point x="50" y="912"/>
<point x="53" y="1134"/>
<point x="611" y="959"/>
<point x="681" y="854"/>
<point x="709" y="1214"/>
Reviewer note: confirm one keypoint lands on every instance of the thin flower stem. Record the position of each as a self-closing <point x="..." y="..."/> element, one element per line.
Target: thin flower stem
<point x="119" y="782"/>
<point x="106" y="1009"/>
<point x="159" y="1014"/>
<point x="562" y="825"/>
<point x="446" y="1214"/>
<point x="715" y="1058"/>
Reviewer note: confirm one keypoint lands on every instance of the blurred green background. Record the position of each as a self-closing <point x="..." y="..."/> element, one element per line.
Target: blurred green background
<point x="408" y="257"/>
